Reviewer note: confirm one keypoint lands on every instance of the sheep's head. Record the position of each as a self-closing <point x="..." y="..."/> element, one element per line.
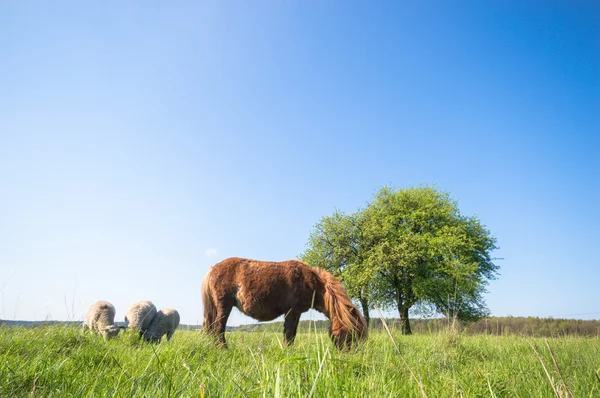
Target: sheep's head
<point x="110" y="331"/>
<point x="151" y="338"/>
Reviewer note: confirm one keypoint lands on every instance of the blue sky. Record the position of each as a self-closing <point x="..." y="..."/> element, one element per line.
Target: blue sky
<point x="141" y="143"/>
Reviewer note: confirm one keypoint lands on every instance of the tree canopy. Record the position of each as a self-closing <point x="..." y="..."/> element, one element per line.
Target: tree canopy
<point x="408" y="247"/>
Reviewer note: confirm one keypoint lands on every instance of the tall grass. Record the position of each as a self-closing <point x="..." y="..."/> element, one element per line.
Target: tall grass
<point x="62" y="361"/>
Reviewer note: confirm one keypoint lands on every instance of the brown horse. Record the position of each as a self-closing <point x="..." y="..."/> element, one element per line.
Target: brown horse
<point x="265" y="290"/>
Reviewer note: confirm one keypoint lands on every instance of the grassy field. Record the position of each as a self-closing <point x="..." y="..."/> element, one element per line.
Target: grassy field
<point x="62" y="361"/>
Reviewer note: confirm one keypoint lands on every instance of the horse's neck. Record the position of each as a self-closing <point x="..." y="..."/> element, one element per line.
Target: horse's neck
<point x="319" y="304"/>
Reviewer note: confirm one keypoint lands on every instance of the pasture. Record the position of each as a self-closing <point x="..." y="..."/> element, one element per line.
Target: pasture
<point x="61" y="361"/>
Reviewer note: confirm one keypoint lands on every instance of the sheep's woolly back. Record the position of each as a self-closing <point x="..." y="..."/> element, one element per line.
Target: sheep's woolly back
<point x="165" y="322"/>
<point x="100" y="317"/>
<point x="140" y="315"/>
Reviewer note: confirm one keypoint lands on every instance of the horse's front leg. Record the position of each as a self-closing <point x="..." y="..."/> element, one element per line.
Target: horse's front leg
<point x="290" y="326"/>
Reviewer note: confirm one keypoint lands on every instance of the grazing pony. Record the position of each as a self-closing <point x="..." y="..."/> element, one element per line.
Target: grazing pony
<point x="265" y="290"/>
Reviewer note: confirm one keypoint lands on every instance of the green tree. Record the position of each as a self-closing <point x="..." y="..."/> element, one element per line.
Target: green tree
<point x="410" y="248"/>
<point x="420" y="250"/>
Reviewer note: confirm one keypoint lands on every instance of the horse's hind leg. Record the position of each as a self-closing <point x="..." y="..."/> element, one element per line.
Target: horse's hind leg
<point x="290" y="326"/>
<point x="223" y="311"/>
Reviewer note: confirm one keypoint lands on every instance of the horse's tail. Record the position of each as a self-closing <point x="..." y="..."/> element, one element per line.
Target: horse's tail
<point x="345" y="318"/>
<point x="210" y="309"/>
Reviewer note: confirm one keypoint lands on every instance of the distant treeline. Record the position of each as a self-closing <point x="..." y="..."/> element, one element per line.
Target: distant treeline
<point x="38" y="323"/>
<point x="537" y="327"/>
<point x="79" y="324"/>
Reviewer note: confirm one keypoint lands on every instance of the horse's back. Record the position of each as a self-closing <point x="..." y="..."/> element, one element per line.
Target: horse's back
<point x="262" y="289"/>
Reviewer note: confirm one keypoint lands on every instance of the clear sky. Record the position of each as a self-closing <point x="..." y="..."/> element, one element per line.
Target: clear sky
<point x="142" y="142"/>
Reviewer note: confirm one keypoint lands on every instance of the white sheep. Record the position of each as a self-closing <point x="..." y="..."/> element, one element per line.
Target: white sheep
<point x="165" y="322"/>
<point x="140" y="315"/>
<point x="101" y="318"/>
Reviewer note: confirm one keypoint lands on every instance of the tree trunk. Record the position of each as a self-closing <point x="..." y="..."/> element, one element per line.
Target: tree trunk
<point x="404" y="321"/>
<point x="403" y="304"/>
<point x="365" y="307"/>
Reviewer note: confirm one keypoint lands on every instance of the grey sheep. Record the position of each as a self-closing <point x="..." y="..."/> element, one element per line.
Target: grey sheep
<point x="140" y="314"/>
<point x="165" y="322"/>
<point x="101" y="318"/>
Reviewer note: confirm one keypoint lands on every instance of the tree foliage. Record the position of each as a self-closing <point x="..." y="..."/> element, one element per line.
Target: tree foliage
<point x="409" y="247"/>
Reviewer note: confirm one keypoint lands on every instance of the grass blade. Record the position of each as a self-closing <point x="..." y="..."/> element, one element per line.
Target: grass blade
<point x="312" y="390"/>
<point x="567" y="390"/>
<point x="545" y="370"/>
<point x="423" y="394"/>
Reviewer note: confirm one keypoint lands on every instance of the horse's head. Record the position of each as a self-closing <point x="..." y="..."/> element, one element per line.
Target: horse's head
<point x="345" y="335"/>
<point x="348" y="327"/>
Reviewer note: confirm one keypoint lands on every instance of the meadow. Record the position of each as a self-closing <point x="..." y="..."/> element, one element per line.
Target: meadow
<point x="62" y="361"/>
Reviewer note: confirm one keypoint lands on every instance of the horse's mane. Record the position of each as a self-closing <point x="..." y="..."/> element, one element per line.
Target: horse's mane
<point x="338" y="305"/>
